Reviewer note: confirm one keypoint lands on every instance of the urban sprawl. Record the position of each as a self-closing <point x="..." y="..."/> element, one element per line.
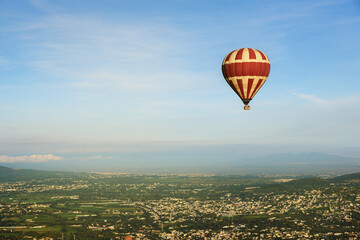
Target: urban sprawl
<point x="114" y="206"/>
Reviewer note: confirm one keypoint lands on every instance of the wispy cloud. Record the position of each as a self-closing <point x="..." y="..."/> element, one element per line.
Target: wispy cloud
<point x="312" y="98"/>
<point x="4" y="63"/>
<point x="44" y="5"/>
<point x="29" y="158"/>
<point x="95" y="157"/>
<point x="87" y="52"/>
<point x="347" y="103"/>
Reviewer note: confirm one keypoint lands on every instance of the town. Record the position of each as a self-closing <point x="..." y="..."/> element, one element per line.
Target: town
<point x="131" y="206"/>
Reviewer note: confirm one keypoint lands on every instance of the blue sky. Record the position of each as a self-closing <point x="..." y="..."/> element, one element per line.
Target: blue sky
<point x="101" y="78"/>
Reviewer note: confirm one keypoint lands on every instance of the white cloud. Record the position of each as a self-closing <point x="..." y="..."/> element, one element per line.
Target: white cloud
<point x="29" y="158"/>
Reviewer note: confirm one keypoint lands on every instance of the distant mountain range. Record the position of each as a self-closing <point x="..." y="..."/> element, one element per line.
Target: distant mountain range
<point x="313" y="158"/>
<point x="199" y="162"/>
<point x="299" y="163"/>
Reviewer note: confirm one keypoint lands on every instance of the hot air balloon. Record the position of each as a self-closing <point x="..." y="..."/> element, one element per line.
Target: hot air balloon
<point x="246" y="70"/>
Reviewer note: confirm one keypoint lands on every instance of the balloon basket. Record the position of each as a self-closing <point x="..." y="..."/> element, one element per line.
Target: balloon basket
<point x="246" y="107"/>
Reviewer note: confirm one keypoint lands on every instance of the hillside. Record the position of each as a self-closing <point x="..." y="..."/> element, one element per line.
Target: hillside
<point x="312" y="183"/>
<point x="13" y="174"/>
<point x="347" y="177"/>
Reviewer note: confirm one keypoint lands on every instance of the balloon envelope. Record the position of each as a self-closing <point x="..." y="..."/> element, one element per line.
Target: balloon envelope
<point x="246" y="70"/>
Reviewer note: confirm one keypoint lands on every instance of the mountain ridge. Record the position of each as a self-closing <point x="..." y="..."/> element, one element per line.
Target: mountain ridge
<point x="282" y="163"/>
